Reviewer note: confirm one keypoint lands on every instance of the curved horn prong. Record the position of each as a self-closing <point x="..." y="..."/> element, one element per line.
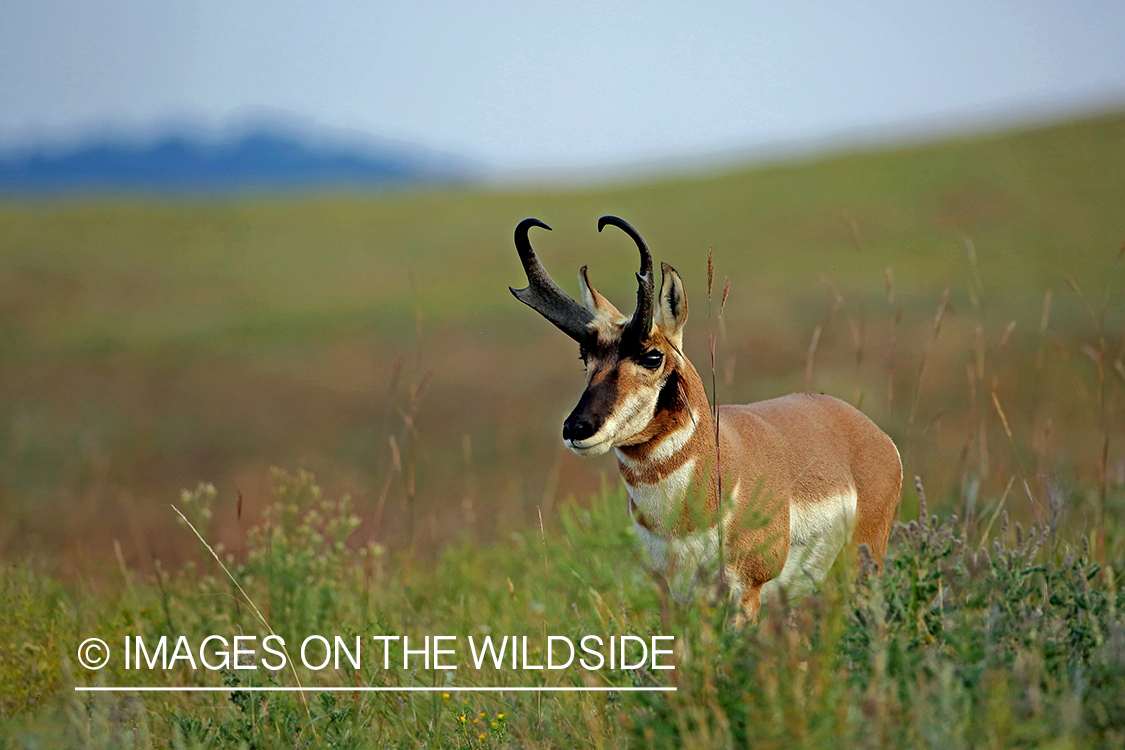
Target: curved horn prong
<point x="641" y="323"/>
<point x="543" y="295"/>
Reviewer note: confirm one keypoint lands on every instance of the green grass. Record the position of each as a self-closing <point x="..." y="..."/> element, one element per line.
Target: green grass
<point x="1007" y="638"/>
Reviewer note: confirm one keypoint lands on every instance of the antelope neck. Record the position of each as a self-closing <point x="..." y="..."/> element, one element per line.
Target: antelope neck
<point x="681" y="429"/>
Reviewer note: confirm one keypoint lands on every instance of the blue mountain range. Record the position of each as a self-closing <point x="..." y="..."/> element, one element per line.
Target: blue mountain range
<point x="256" y="159"/>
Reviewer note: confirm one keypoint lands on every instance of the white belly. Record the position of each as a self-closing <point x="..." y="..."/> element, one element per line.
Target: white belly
<point x="817" y="533"/>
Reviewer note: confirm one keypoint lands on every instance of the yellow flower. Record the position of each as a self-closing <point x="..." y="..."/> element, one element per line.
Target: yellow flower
<point x="501" y="716"/>
<point x="482" y="714"/>
<point x="462" y="719"/>
<point x="476" y="721"/>
<point x="495" y="724"/>
<point x="480" y="736"/>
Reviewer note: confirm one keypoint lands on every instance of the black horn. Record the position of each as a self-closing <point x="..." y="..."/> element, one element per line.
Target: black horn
<point x="543" y="295"/>
<point x="640" y="325"/>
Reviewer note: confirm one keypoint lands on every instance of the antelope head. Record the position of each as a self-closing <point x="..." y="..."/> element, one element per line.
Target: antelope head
<point x="634" y="365"/>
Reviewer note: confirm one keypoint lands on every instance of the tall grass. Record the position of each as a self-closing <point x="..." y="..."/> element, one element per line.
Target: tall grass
<point x="963" y="641"/>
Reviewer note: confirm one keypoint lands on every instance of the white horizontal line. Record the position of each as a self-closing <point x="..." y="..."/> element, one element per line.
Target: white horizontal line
<point x="340" y="689"/>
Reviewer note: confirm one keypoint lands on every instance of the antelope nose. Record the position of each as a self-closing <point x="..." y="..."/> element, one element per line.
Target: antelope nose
<point x="578" y="429"/>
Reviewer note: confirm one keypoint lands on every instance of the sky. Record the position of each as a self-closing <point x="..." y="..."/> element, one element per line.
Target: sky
<point x="537" y="86"/>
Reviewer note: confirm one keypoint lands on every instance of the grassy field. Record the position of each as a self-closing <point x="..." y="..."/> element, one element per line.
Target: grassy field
<point x="966" y="295"/>
<point x="995" y="636"/>
<point x="149" y="344"/>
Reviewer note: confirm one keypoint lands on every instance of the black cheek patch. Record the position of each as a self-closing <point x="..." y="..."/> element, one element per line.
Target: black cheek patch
<point x="669" y="392"/>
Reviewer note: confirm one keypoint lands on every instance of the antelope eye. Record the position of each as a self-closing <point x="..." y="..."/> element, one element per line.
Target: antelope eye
<point x="651" y="359"/>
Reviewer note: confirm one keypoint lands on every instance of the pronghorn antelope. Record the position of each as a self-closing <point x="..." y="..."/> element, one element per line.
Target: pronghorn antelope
<point x="801" y="475"/>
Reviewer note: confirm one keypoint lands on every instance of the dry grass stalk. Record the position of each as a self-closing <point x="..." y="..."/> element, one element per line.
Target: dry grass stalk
<point x="254" y="608"/>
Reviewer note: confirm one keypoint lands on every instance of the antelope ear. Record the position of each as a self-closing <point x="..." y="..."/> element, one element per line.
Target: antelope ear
<point x="594" y="301"/>
<point x="673" y="306"/>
